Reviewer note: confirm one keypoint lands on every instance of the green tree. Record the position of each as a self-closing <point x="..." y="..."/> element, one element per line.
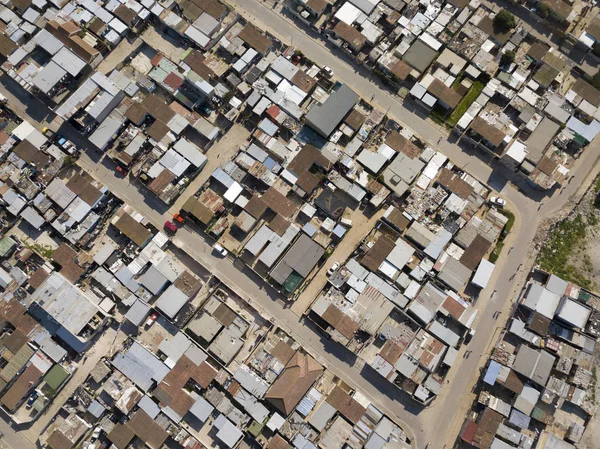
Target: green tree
<point x="508" y="57"/>
<point x="543" y="11"/>
<point x="504" y="21"/>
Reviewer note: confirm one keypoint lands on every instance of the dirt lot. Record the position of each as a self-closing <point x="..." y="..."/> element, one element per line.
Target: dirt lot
<point x="168" y="46"/>
<point x="572" y="251"/>
<point x="218" y="154"/>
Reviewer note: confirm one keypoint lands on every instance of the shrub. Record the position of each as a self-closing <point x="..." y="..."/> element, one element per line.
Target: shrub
<point x="504" y="21"/>
<point x="508" y="57"/>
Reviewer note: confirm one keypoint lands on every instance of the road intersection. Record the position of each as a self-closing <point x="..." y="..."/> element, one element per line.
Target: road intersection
<point x="530" y="207"/>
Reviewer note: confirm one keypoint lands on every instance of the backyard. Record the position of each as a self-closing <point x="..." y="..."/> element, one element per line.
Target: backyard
<point x="440" y="115"/>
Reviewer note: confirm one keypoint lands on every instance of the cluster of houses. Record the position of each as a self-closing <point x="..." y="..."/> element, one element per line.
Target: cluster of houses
<point x="200" y="367"/>
<point x="500" y="89"/>
<point x="538" y="387"/>
<point x="404" y="300"/>
<point x="224" y="377"/>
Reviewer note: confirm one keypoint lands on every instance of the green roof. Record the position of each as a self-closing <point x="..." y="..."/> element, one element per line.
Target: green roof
<point x="6" y="244"/>
<point x="292" y="282"/>
<point x="16" y="363"/>
<point x="56" y="376"/>
<point x="255" y="428"/>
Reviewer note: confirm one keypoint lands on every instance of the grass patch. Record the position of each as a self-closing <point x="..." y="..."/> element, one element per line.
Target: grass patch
<point x="511" y="220"/>
<point x="465" y="103"/>
<point x="43" y="250"/>
<point x="554" y="257"/>
<point x="497" y="250"/>
<point x="507" y="227"/>
<point x="597" y="185"/>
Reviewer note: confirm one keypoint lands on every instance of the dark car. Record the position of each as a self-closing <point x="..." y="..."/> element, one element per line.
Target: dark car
<point x="31" y="400"/>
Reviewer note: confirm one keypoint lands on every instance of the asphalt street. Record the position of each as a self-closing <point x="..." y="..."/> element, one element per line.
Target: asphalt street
<point x="422" y="424"/>
<point x="11" y="438"/>
<point x="530" y="206"/>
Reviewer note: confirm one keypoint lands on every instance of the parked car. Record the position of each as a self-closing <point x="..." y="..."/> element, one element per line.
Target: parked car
<point x="469" y="336"/>
<point x="151" y="319"/>
<point x="178" y="218"/>
<point x="327" y="71"/>
<point x="496" y="200"/>
<point x="332" y="269"/>
<point x="170" y="226"/>
<point x="31" y="400"/>
<point x="219" y="249"/>
<point x="120" y="169"/>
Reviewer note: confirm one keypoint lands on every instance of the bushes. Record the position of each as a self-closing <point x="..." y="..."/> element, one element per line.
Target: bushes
<point x="504" y="21"/>
<point x="554" y="257"/>
<point x="465" y="103"/>
<point x="508" y="57"/>
<point x="543" y="11"/>
<point x="511" y="220"/>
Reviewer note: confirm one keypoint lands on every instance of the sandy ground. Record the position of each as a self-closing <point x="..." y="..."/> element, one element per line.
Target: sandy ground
<point x="361" y="227"/>
<point x="218" y="154"/>
<point x="586" y="256"/>
<point x="167" y="46"/>
<point x="118" y="55"/>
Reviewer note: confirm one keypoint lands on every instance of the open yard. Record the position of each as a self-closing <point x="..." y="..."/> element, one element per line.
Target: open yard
<point x="571" y="251"/>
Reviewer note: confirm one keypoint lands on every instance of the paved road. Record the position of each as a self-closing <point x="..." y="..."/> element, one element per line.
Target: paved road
<point x="423" y="424"/>
<point x="11" y="438"/>
<point x="530" y="208"/>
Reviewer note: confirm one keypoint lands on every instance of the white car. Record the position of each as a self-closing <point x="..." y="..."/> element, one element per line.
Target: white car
<point x="332" y="269"/>
<point x="498" y="201"/>
<point x="327" y="71"/>
<point x="218" y="248"/>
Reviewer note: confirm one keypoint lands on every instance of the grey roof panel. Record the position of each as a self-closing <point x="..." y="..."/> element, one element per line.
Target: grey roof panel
<point x="140" y="366"/>
<point x="326" y="117"/>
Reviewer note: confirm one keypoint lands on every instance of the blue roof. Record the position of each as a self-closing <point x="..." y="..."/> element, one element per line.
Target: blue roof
<point x="519" y="419"/>
<point x="492" y="373"/>
<point x="339" y="231"/>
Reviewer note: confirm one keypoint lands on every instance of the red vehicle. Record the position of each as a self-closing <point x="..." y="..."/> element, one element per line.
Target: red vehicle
<point x="151" y="319"/>
<point x="179" y="218"/>
<point x="170" y="226"/>
<point x="120" y="169"/>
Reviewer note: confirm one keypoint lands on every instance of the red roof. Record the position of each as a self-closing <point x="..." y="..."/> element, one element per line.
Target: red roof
<point x="156" y="59"/>
<point x="469" y="432"/>
<point x="173" y="80"/>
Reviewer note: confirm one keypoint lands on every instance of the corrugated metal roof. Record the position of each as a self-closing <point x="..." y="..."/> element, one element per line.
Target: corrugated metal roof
<point x="138" y="312"/>
<point x="171" y="301"/>
<point x="444" y="334"/>
<point x="324" y="118"/>
<point x="48" y="76"/>
<point x="149" y="406"/>
<point x="259" y="240"/>
<point x="519" y="419"/>
<point x="30" y="215"/>
<point x="492" y="373"/>
<point x="16" y="363"/>
<point x="322" y="415"/>
<point x="250" y="381"/>
<point x="140" y="366"/>
<point x="70" y="62"/>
